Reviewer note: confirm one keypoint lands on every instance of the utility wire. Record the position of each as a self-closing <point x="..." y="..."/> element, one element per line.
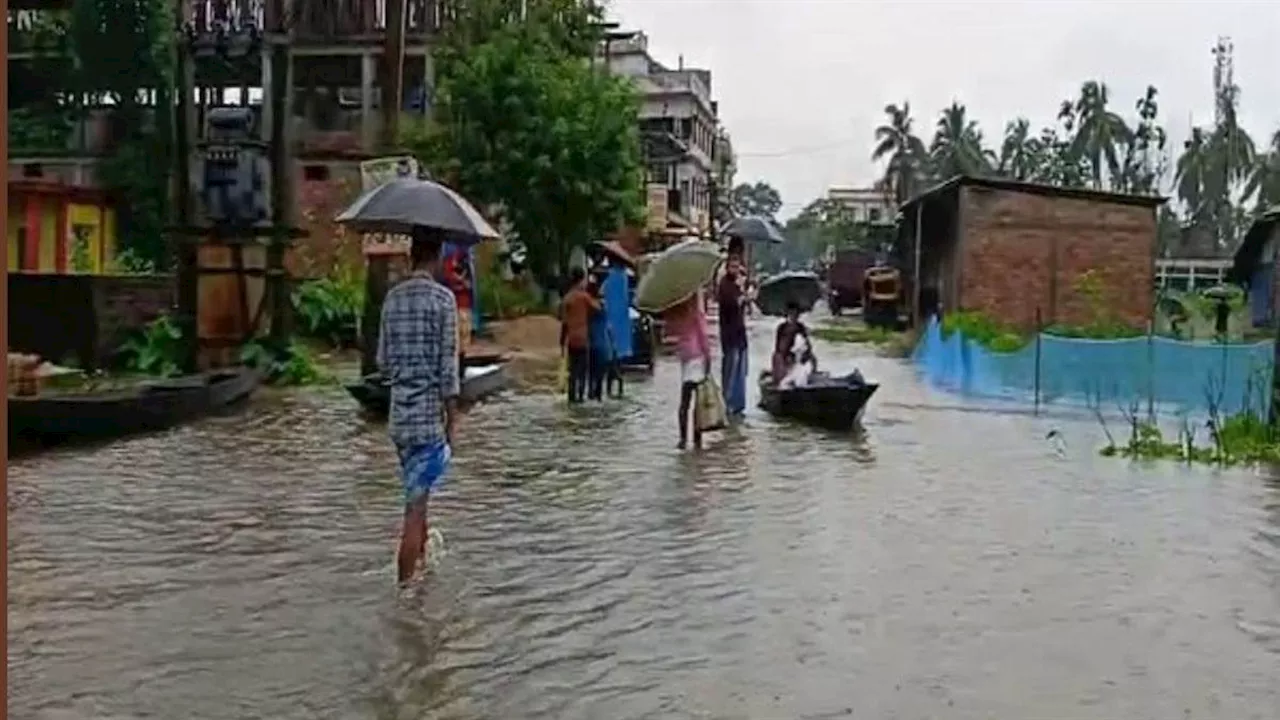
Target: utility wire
<point x="799" y="151"/>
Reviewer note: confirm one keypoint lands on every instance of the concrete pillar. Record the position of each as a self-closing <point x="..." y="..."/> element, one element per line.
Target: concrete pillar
<point x="428" y="85"/>
<point x="368" y="123"/>
<point x="264" y="123"/>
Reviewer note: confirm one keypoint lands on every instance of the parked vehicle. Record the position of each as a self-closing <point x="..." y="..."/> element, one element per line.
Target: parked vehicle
<point x="844" y="279"/>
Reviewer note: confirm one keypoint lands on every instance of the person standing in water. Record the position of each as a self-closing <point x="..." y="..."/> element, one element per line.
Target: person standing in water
<point x="418" y="355"/>
<point x="599" y="341"/>
<point x="687" y="323"/>
<point x="733" y="336"/>
<point x="575" y="338"/>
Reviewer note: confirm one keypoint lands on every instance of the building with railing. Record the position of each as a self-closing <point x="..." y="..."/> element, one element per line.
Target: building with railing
<point x="678" y="124"/>
<point x="867" y="204"/>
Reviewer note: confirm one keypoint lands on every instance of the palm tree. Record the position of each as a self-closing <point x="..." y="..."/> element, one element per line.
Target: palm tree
<point x="1263" y="183"/>
<point x="957" y="145"/>
<point x="904" y="151"/>
<point x="1019" y="151"/>
<point x="1099" y="132"/>
<point x="1192" y="173"/>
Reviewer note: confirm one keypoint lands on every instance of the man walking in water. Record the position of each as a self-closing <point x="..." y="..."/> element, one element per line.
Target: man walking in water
<point x="733" y="333"/>
<point x="418" y="355"/>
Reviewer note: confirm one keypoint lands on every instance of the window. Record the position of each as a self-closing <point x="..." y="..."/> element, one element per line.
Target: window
<point x="873" y="215"/>
<point x="22" y="249"/>
<point x="315" y="173"/>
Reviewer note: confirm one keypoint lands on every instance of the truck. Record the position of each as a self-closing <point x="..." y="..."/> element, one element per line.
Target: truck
<point x="844" y="279"/>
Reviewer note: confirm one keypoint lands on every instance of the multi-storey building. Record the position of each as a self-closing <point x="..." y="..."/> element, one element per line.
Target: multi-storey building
<point x="679" y="127"/>
<point x="868" y="205"/>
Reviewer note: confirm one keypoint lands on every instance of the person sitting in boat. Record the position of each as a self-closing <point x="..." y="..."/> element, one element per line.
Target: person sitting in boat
<point x="785" y="354"/>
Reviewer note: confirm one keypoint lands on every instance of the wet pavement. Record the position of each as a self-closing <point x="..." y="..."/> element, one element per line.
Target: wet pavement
<point x="951" y="563"/>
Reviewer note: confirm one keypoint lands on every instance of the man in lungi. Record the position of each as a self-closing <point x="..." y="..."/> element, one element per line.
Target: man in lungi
<point x="418" y="355"/>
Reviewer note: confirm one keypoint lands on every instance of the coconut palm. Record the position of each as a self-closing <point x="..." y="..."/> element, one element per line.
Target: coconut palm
<point x="1020" y="153"/>
<point x="905" y="152"/>
<point x="1099" y="132"/>
<point x="1263" y="183"/>
<point x="957" y="145"/>
<point x="1192" y="172"/>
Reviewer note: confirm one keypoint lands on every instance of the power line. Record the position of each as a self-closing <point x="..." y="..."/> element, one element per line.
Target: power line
<point x="799" y="151"/>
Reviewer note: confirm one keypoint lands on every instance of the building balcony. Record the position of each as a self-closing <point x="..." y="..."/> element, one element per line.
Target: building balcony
<point x="323" y="22"/>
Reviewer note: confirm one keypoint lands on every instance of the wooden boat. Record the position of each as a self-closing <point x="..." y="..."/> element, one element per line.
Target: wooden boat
<point x="374" y="395"/>
<point x="58" y="418"/>
<point x="826" y="402"/>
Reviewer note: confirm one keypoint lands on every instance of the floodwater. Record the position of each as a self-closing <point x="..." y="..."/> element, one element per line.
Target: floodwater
<point x="952" y="563"/>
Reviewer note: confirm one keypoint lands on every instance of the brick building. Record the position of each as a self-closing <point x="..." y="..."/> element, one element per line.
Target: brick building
<point x="1011" y="249"/>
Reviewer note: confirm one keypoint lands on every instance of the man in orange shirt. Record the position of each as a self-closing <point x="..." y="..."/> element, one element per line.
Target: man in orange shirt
<point x="575" y="318"/>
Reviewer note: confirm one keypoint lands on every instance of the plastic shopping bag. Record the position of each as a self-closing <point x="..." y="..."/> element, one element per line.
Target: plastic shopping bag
<point x="709" y="412"/>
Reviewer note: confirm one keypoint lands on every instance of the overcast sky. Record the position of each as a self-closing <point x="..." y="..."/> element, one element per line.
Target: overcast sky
<point x="803" y="83"/>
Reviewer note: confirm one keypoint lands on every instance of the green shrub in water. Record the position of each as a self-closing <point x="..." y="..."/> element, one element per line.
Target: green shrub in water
<point x="290" y="365"/>
<point x="154" y="350"/>
<point x="329" y="308"/>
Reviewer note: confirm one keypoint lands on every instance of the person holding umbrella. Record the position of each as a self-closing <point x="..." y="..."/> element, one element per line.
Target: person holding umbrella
<point x="418" y="336"/>
<point x="687" y="323"/>
<point x="418" y="355"/>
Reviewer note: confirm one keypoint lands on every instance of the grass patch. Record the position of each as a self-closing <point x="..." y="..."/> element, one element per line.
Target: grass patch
<point x="896" y="344"/>
<point x="1244" y="438"/>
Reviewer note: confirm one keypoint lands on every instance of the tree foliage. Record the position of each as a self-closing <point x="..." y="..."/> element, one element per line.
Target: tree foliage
<point x="759" y="198"/>
<point x="116" y="54"/>
<point x="523" y="123"/>
<point x="1220" y="178"/>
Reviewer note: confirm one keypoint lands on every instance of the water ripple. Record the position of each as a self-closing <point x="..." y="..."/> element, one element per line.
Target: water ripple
<point x="945" y="563"/>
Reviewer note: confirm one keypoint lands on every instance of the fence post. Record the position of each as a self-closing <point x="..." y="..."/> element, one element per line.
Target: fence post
<point x="1151" y="371"/>
<point x="1037" y="380"/>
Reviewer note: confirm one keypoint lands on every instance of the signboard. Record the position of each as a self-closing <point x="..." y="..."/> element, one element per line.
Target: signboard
<point x="657" y="204"/>
<point x="377" y="172"/>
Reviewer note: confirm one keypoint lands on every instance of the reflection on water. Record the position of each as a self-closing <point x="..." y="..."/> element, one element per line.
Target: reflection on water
<point x="949" y="563"/>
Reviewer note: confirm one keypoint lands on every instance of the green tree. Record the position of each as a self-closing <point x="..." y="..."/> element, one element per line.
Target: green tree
<point x="904" y="152"/>
<point x="1146" y="161"/>
<point x="124" y="51"/>
<point x="758" y="198"/>
<point x="957" y="146"/>
<point x="1263" y="184"/>
<point x="1100" y="133"/>
<point x="550" y="138"/>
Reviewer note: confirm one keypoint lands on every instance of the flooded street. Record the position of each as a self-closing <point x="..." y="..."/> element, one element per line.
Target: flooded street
<point x="953" y="563"/>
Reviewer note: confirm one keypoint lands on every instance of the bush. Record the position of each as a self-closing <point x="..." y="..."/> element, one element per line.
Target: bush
<point x="329" y="308"/>
<point x="988" y="333"/>
<point x="289" y="365"/>
<point x="504" y="299"/>
<point x="154" y="350"/>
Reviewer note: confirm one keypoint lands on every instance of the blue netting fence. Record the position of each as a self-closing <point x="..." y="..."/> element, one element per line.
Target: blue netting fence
<point x="1148" y="372"/>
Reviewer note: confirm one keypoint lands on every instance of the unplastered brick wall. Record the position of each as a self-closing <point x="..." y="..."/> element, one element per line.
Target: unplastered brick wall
<point x="1025" y="251"/>
<point x="321" y="196"/>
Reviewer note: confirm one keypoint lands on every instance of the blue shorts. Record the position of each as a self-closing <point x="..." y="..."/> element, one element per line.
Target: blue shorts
<point x="422" y="467"/>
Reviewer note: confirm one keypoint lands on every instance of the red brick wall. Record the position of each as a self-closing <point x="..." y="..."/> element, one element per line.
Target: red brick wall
<point x="328" y="246"/>
<point x="1013" y="244"/>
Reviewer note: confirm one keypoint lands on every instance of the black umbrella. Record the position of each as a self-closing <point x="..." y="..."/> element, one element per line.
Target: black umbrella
<point x="753" y="228"/>
<point x="399" y="206"/>
<point x="799" y="288"/>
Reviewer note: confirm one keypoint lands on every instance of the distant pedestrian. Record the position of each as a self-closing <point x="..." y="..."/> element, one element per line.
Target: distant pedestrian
<point x="575" y="339"/>
<point x="688" y="325"/>
<point x="418" y="355"/>
<point x="599" y="341"/>
<point x="732" y="303"/>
